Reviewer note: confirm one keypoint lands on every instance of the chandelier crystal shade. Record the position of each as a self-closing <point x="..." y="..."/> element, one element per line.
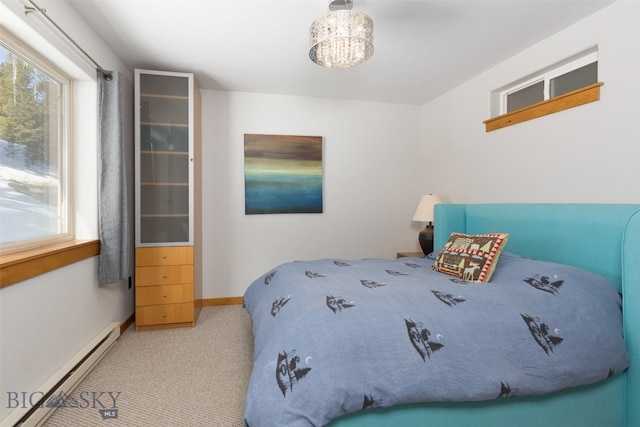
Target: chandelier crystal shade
<point x="341" y="38"/>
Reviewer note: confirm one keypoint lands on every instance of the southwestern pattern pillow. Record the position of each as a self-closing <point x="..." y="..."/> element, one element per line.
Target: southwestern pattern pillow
<point x="471" y="257"/>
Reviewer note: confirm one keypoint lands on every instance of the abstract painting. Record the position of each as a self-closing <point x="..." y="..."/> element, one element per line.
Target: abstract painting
<point x="282" y="174"/>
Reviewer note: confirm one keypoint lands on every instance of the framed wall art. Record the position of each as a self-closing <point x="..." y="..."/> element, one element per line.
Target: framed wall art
<point x="282" y="174"/>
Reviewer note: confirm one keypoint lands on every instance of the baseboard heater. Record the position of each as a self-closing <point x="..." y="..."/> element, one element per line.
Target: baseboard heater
<point x="64" y="380"/>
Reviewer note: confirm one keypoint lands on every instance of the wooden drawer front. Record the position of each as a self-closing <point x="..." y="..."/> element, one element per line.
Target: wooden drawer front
<point x="164" y="314"/>
<point x="170" y="294"/>
<point x="165" y="275"/>
<point x="164" y="255"/>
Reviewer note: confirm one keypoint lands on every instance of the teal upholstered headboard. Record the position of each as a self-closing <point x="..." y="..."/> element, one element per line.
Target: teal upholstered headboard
<point x="588" y="236"/>
<point x="603" y="238"/>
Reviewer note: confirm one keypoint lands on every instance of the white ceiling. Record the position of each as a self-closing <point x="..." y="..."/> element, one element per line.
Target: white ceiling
<point x="423" y="48"/>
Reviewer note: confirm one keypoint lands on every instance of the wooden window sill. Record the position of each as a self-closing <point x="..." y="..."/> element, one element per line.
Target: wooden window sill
<point x="24" y="265"/>
<point x="572" y="99"/>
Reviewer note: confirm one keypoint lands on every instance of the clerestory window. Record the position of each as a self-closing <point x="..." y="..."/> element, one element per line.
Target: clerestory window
<point x="564" y="85"/>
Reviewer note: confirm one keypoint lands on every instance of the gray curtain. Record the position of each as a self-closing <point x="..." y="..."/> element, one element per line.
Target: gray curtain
<point x="116" y="246"/>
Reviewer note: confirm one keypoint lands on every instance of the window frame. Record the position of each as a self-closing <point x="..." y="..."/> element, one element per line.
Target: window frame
<point x="66" y="208"/>
<point x="546" y="76"/>
<point x="575" y="98"/>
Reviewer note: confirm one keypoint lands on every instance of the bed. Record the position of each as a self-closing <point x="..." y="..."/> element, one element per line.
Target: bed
<point x="600" y="239"/>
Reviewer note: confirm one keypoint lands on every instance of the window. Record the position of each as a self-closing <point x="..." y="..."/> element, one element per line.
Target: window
<point x="563" y="79"/>
<point x="35" y="207"/>
<point x="568" y="84"/>
<point x="528" y="95"/>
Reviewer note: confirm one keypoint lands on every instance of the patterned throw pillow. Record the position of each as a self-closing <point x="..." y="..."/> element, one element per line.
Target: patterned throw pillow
<point x="473" y="258"/>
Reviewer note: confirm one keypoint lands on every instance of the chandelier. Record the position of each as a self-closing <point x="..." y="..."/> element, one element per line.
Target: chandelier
<point x="341" y="38"/>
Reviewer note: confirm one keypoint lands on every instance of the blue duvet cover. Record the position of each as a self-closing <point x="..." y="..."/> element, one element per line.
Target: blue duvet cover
<point x="337" y="336"/>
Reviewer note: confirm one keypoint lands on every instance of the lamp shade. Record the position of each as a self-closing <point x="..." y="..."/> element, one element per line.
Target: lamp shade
<point x="340" y="39"/>
<point x="424" y="211"/>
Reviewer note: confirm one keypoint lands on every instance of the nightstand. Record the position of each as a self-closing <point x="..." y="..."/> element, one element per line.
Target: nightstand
<point x="409" y="254"/>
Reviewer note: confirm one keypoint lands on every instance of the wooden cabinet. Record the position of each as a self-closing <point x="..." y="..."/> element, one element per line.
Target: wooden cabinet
<point x="164" y="287"/>
<point x="168" y="206"/>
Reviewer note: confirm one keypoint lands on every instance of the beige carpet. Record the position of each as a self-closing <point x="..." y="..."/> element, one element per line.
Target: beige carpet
<point x="177" y="377"/>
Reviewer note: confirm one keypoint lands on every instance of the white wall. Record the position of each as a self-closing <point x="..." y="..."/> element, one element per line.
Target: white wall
<point x="586" y="154"/>
<point x="370" y="185"/>
<point x="46" y="320"/>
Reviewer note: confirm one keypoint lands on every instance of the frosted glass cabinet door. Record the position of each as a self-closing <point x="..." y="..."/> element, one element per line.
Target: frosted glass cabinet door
<point x="164" y="159"/>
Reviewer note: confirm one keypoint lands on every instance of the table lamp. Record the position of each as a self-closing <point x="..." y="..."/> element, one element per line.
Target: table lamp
<point x="424" y="213"/>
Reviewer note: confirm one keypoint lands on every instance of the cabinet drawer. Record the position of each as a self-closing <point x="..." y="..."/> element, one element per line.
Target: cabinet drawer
<point x="170" y="294"/>
<point x="164" y="314"/>
<point x="164" y="255"/>
<point x="164" y="275"/>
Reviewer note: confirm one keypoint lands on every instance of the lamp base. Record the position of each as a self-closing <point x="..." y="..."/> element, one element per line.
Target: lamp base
<point x="426" y="239"/>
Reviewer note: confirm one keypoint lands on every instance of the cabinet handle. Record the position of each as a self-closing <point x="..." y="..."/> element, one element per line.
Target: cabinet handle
<point x="164" y="314"/>
<point x="164" y="257"/>
<point x="164" y="276"/>
<point x="164" y="295"/>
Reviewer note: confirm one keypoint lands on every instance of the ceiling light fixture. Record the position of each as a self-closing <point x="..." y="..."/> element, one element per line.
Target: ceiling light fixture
<point x="342" y="38"/>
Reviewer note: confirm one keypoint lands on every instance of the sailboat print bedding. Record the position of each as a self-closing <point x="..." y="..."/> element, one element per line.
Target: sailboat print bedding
<point x="338" y="336"/>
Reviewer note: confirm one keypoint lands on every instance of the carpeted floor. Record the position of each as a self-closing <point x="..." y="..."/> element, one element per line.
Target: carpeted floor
<point x="176" y="377"/>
